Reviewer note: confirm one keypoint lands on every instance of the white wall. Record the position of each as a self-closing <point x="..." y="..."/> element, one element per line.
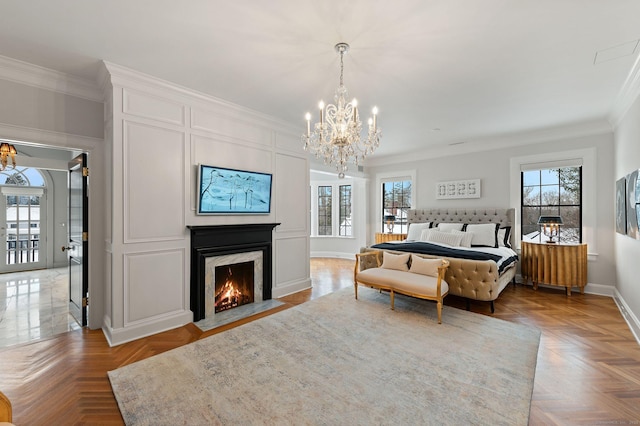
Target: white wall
<point x="156" y="135"/>
<point x="627" y="249"/>
<point x="493" y="169"/>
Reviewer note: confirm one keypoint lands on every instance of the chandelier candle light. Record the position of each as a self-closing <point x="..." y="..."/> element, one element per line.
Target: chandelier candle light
<point x="336" y="138"/>
<point x="7" y="150"/>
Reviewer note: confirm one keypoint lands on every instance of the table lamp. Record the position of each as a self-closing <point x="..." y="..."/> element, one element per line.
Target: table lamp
<point x="390" y="219"/>
<point x="550" y="226"/>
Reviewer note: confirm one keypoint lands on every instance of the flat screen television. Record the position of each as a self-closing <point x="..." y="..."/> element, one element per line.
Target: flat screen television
<point x="230" y="191"/>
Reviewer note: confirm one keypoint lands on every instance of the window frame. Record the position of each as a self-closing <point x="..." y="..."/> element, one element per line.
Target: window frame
<point x="554" y="209"/>
<point x="585" y="157"/>
<point x="348" y="204"/>
<point x="407" y="175"/>
<point x="335" y="208"/>
<point x="326" y="216"/>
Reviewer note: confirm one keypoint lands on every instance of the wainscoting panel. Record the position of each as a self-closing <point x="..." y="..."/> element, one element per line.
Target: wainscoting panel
<point x="232" y="155"/>
<point x="290" y="201"/>
<point x="228" y="125"/>
<point x="292" y="271"/>
<point x="150" y="284"/>
<point x="147" y="106"/>
<point x="153" y="183"/>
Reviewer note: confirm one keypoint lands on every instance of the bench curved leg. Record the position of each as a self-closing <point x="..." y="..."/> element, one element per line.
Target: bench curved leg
<point x="392" y="300"/>
<point x="355" y="287"/>
<point x="439" y="312"/>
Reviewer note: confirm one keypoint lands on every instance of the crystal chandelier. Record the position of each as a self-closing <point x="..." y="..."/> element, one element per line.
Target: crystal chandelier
<point x="7" y="150"/>
<point x="336" y="138"/>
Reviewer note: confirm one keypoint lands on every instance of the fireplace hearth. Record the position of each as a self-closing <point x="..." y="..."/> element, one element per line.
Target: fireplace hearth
<point x="215" y="248"/>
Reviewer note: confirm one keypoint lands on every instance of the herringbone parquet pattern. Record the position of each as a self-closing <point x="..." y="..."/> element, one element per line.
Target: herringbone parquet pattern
<point x="588" y="365"/>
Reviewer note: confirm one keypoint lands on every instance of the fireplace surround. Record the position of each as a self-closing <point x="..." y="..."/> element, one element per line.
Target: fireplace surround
<point x="219" y="240"/>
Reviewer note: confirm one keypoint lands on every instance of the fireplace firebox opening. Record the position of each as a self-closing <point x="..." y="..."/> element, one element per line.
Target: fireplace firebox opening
<point x="233" y="286"/>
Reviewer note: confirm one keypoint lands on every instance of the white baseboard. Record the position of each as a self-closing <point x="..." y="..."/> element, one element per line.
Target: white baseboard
<point x="333" y="254"/>
<point x="287" y="289"/>
<point x="127" y="334"/>
<point x="628" y="315"/>
<point x="590" y="288"/>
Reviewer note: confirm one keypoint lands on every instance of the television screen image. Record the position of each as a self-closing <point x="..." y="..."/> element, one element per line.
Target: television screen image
<point x="229" y="191"/>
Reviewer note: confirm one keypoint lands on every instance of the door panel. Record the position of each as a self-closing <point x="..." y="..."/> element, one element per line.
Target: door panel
<point x="78" y="239"/>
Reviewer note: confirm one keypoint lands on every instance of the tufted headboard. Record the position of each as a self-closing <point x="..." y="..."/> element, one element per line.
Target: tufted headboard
<point x="505" y="217"/>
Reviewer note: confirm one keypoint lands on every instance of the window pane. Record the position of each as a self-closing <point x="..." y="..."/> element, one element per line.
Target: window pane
<point x="345" y="210"/>
<point x="549" y="177"/>
<point x="549" y="195"/>
<point x="324" y="210"/>
<point x="531" y="195"/>
<point x="531" y="177"/>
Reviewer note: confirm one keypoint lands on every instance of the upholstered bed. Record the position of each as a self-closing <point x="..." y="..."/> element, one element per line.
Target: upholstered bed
<point x="475" y="273"/>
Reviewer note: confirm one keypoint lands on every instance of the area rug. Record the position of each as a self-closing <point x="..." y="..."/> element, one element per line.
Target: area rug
<point x="340" y="361"/>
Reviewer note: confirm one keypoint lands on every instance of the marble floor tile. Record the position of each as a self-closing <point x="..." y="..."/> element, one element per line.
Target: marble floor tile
<point x="34" y="305"/>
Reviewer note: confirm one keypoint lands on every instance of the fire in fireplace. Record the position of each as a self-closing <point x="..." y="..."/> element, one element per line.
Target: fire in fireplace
<point x="233" y="285"/>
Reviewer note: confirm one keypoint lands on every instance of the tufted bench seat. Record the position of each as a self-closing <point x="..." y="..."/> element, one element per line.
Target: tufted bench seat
<point x="423" y="279"/>
<point x="470" y="279"/>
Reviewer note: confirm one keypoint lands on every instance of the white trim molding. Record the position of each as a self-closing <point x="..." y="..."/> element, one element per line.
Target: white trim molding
<point x="48" y="79"/>
<point x="627" y="314"/>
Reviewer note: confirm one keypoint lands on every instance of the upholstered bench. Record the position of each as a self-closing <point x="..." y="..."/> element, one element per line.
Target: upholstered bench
<point x="402" y="273"/>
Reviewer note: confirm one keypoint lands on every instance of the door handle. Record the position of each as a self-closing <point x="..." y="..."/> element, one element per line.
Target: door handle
<point x="66" y="248"/>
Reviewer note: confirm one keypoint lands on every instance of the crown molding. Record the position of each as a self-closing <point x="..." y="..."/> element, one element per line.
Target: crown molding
<point x="627" y="96"/>
<point x="48" y="138"/>
<point x="44" y="78"/>
<point x="589" y="128"/>
<point x="126" y="77"/>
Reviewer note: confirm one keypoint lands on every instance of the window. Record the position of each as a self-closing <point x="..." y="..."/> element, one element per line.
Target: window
<point x="396" y="201"/>
<point x="332" y="209"/>
<point x="555" y="192"/>
<point x="345" y="211"/>
<point x="324" y="210"/>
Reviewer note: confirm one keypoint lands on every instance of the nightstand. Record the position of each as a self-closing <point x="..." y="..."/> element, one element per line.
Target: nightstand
<point x="563" y="265"/>
<point x="383" y="238"/>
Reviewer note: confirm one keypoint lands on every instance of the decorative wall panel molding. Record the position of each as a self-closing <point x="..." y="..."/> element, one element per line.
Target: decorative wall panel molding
<point x="469" y="188"/>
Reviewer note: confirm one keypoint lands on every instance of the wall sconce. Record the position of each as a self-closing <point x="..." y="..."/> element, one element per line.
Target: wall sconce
<point x="390" y="220"/>
<point x="550" y="226"/>
<point x="7" y="150"/>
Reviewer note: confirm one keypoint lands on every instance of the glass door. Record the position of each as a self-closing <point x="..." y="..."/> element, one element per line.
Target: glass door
<point x="22" y="223"/>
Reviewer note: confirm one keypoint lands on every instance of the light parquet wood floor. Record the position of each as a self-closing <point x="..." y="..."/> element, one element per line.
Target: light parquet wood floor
<point x="588" y="368"/>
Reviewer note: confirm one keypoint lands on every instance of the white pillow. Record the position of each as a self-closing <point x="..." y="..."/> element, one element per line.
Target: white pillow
<point x="467" y="237"/>
<point x="444" y="238"/>
<point x="415" y="230"/>
<point x="424" y="266"/>
<point x="504" y="235"/>
<point x="484" y="234"/>
<point x="424" y="235"/>
<point x="446" y="227"/>
<point x="395" y="261"/>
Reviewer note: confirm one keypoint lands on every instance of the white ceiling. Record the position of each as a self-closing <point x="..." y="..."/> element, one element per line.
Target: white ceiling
<point x="475" y="70"/>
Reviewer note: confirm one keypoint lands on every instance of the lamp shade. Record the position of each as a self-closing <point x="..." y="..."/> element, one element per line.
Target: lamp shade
<point x="389" y="218"/>
<point x="550" y="220"/>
